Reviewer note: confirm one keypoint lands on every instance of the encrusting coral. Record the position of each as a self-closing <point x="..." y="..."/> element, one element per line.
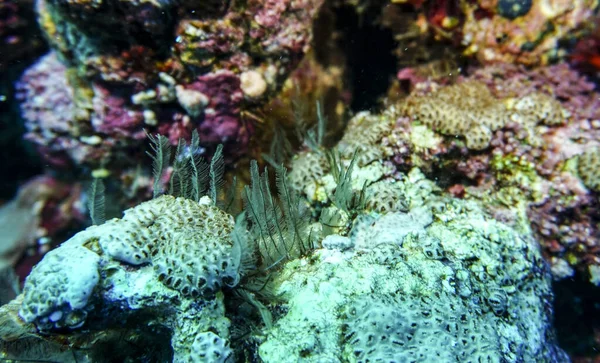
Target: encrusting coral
<point x="470" y="110"/>
<point x="588" y="167"/>
<point x="429" y="283"/>
<point x="127" y="267"/>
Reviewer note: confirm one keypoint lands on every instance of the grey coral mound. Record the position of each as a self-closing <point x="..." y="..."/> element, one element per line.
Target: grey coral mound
<point x="454" y="285"/>
<point x="57" y="291"/>
<point x="169" y="257"/>
<point x="199" y="260"/>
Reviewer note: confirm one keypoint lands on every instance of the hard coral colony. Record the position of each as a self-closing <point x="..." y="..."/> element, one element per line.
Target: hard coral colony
<point x="436" y="226"/>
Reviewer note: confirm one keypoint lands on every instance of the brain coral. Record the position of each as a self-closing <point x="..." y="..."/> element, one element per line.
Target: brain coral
<point x="58" y="291"/>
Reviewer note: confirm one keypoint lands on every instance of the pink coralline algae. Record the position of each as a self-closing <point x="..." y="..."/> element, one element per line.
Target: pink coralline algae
<point x="95" y="126"/>
<point x="113" y="113"/>
<point x="224" y="101"/>
<point x="527" y="170"/>
<point x="55" y="123"/>
<point x="49" y="97"/>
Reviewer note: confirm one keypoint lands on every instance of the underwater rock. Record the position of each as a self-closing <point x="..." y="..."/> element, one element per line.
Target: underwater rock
<point x="135" y="74"/>
<point x="461" y="287"/>
<point x="529" y="32"/>
<point x="439" y="278"/>
<point x="162" y="266"/>
<point x="529" y="170"/>
<point x="96" y="124"/>
<point x="536" y="167"/>
<point x="526" y="32"/>
<point x="119" y="70"/>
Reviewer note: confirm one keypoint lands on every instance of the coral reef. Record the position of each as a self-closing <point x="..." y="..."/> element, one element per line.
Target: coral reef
<point x="523" y="161"/>
<point x="126" y="267"/>
<point x="526" y="32"/>
<point x="588" y="168"/>
<point x="218" y="63"/>
<point x="562" y="206"/>
<point x="441" y="278"/>
<point x="533" y="162"/>
<point x="469" y="109"/>
<point x="437" y="288"/>
<point x="164" y="67"/>
<point x="428" y="228"/>
<point x="21" y="42"/>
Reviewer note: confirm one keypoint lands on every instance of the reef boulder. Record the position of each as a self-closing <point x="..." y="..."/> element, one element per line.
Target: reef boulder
<point x="159" y="270"/>
<point x="453" y="285"/>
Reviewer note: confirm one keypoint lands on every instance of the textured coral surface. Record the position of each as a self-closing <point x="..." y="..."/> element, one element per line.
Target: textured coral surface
<point x="140" y="264"/>
<point x="495" y="32"/>
<point x="523" y="141"/>
<point x="424" y="285"/>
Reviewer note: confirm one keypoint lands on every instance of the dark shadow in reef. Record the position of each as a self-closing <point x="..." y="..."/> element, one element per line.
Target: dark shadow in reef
<point x="21" y="43"/>
<point x="368" y="48"/>
<point x="577" y="317"/>
<point x="18" y="158"/>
